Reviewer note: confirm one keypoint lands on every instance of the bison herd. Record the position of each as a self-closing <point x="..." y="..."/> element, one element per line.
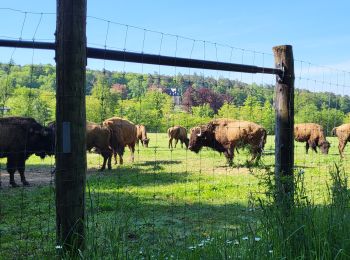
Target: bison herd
<point x="20" y="137"/>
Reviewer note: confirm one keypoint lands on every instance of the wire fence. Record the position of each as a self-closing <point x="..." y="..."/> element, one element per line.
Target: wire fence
<point x="169" y="202"/>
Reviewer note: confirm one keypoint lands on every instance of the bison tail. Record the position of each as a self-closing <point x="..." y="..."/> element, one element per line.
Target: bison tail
<point x="334" y="131"/>
<point x="168" y="132"/>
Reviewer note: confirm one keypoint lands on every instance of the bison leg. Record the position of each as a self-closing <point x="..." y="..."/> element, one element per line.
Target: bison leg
<point x="132" y="150"/>
<point x="115" y="157"/>
<point x="256" y="154"/>
<point x="11" y="169"/>
<point x="105" y="158"/>
<point x="21" y="170"/>
<point x="176" y="140"/>
<point x="170" y="143"/>
<point x="229" y="154"/>
<point x="341" y="147"/>
<point x="307" y="147"/>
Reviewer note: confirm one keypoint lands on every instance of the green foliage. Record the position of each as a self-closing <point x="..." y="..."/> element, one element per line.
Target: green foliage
<point x="133" y="98"/>
<point x="33" y="103"/>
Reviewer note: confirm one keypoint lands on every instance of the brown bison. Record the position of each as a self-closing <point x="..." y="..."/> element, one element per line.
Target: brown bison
<point x="142" y="135"/>
<point x="124" y="133"/>
<point x="100" y="137"/>
<point x="225" y="135"/>
<point x="313" y="135"/>
<point x="343" y="134"/>
<point x="178" y="133"/>
<point x="20" y="137"/>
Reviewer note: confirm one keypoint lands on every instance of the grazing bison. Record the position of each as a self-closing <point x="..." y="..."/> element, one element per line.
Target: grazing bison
<point x="99" y="137"/>
<point x="343" y="134"/>
<point x="313" y="135"/>
<point x="142" y="135"/>
<point x="124" y="133"/>
<point x="20" y="137"/>
<point x="225" y="135"/>
<point x="177" y="133"/>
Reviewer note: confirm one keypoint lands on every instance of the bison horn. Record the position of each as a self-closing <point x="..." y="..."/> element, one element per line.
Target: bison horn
<point x="200" y="132"/>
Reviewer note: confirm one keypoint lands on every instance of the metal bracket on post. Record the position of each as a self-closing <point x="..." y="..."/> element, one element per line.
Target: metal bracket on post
<point x="280" y="76"/>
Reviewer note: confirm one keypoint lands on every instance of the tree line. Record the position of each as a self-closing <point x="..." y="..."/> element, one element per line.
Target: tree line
<point x="146" y="98"/>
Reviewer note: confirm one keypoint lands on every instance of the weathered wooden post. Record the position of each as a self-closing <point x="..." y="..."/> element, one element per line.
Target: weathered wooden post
<point x="70" y="123"/>
<point x="284" y="141"/>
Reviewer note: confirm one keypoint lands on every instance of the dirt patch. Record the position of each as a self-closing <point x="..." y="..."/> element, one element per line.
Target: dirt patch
<point x="35" y="176"/>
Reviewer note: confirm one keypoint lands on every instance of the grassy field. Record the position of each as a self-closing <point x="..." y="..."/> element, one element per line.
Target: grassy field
<point x="168" y="204"/>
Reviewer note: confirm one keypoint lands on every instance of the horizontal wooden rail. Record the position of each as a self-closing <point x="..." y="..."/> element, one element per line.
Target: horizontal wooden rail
<point x="107" y="54"/>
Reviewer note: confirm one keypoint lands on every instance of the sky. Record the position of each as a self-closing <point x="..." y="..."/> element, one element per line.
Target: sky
<point x="230" y="31"/>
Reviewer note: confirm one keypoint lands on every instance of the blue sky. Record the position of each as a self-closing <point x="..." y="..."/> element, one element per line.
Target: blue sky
<point x="318" y="30"/>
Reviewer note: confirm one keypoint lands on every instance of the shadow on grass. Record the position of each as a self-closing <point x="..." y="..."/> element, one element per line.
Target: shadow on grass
<point x="136" y="176"/>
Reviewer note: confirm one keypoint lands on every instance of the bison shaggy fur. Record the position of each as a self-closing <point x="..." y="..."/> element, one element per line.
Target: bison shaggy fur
<point x="313" y="135"/>
<point x="225" y="135"/>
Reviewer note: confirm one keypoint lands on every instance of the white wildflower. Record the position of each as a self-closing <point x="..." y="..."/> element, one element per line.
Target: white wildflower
<point x="270" y="251"/>
<point x="245" y="238"/>
<point x="257" y="239"/>
<point x="229" y="242"/>
<point x="236" y="242"/>
<point x="191" y="247"/>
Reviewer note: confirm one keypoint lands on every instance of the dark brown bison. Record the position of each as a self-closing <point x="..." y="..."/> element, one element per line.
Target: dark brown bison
<point x="177" y="133"/>
<point x="100" y="137"/>
<point x="124" y="133"/>
<point x="142" y="135"/>
<point x="313" y="135"/>
<point x="343" y="134"/>
<point x="20" y="137"/>
<point x="225" y="135"/>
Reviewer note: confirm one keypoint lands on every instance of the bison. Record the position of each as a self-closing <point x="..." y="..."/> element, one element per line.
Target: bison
<point x="225" y="135"/>
<point x="100" y="137"/>
<point x="178" y="133"/>
<point x="313" y="135"/>
<point x="124" y="133"/>
<point x="20" y="137"/>
<point x="142" y="135"/>
<point x="343" y="134"/>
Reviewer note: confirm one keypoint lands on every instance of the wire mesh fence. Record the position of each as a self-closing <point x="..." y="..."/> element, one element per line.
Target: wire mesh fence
<point x="165" y="201"/>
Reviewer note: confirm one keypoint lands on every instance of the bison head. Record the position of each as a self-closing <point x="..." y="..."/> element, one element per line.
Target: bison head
<point x="145" y="142"/>
<point x="42" y="141"/>
<point x="324" y="147"/>
<point x="200" y="136"/>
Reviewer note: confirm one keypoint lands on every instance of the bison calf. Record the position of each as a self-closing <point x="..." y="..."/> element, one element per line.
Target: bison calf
<point x="225" y="135"/>
<point x="313" y="135"/>
<point x="178" y="133"/>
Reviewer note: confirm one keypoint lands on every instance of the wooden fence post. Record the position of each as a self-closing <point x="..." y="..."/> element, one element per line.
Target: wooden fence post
<point x="284" y="139"/>
<point x="70" y="123"/>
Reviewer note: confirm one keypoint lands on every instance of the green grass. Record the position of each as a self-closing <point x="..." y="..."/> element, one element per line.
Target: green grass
<point x="168" y="203"/>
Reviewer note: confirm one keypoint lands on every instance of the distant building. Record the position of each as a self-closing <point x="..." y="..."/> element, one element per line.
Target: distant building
<point x="175" y="94"/>
<point x="4" y="110"/>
